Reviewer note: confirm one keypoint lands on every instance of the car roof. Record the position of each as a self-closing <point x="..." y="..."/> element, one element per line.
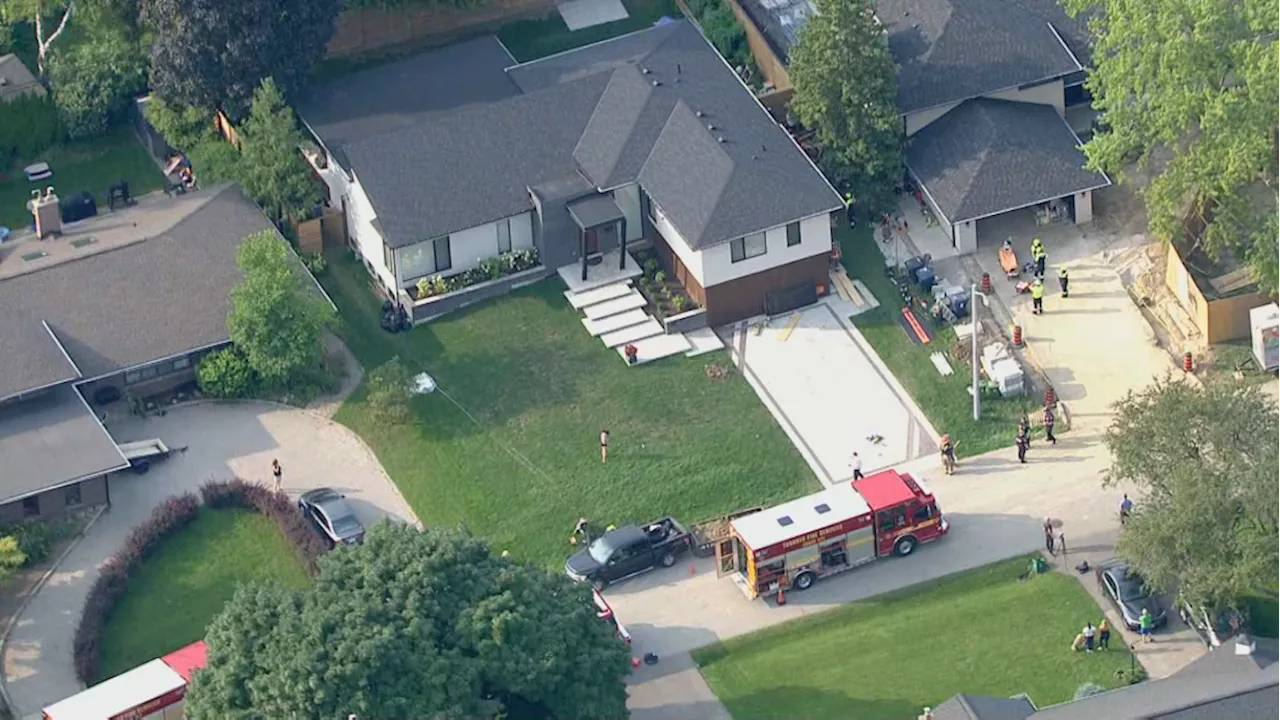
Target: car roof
<point x="320" y="495"/>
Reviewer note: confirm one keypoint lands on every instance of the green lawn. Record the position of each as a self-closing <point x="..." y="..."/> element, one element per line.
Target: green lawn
<point x="92" y="165"/>
<point x="522" y="464"/>
<point x="177" y="591"/>
<point x="944" y="400"/>
<point x="983" y="632"/>
<point x="539" y="37"/>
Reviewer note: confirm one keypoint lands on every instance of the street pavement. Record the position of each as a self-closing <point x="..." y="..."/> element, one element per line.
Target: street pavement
<point x="1094" y="347"/>
<point x="222" y="440"/>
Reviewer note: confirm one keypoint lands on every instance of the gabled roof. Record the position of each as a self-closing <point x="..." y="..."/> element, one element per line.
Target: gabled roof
<point x="16" y="79"/>
<point x="984" y="707"/>
<point x="658" y="106"/>
<point x="150" y="298"/>
<point x="988" y="156"/>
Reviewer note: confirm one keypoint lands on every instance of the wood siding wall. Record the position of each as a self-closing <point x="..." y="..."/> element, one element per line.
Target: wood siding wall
<point x="744" y="297"/>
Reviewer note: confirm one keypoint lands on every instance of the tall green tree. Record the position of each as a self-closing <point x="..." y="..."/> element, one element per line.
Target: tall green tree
<point x="1205" y="463"/>
<point x="1190" y="87"/>
<point x="846" y="88"/>
<point x="96" y="78"/>
<point x="49" y="18"/>
<point x="413" y="624"/>
<point x="274" y="320"/>
<point x="272" y="170"/>
<point x="213" y="53"/>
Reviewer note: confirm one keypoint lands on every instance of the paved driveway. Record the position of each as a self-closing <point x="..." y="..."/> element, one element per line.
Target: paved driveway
<point x="222" y="441"/>
<point x="830" y="393"/>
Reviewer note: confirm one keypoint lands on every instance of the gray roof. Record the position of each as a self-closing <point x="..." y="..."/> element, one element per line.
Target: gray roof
<point x="16" y="79"/>
<point x="617" y="112"/>
<point x="988" y="156"/>
<point x="594" y="211"/>
<point x="132" y="304"/>
<point x="51" y="439"/>
<point x="984" y="707"/>
<point x="403" y="93"/>
<point x="949" y="50"/>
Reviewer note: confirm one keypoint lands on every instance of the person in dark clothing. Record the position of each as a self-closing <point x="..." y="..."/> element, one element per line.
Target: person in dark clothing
<point x="1024" y="427"/>
<point x="1048" y="424"/>
<point x="1023" y="442"/>
<point x="1063" y="280"/>
<point x="1104" y="635"/>
<point x="1048" y="535"/>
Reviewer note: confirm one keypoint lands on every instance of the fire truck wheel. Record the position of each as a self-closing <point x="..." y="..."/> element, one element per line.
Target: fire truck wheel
<point x="803" y="581"/>
<point x="905" y="546"/>
<point x="668" y="559"/>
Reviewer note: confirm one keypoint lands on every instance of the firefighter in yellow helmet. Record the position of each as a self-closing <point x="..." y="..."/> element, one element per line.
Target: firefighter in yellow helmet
<point x="948" y="451"/>
<point x="1037" y="297"/>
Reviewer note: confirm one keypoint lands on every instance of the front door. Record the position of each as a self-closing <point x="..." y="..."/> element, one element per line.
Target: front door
<point x="591" y="242"/>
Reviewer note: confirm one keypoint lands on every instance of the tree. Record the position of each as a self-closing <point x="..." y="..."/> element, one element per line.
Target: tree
<point x="389" y="391"/>
<point x="272" y="170"/>
<point x="846" y="89"/>
<point x="413" y="624"/>
<point x="213" y="53"/>
<point x="1205" y="463"/>
<point x="274" y="321"/>
<point x="11" y="556"/>
<point x="50" y="18"/>
<point x="225" y="373"/>
<point x="1193" y="81"/>
<point x="95" y="80"/>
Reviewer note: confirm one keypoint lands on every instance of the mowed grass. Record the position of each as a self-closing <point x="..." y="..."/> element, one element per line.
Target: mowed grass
<point x="92" y="165"/>
<point x="984" y="632"/>
<point x="547" y="35"/>
<point x="944" y="400"/>
<point x="177" y="591"/>
<point x="517" y="459"/>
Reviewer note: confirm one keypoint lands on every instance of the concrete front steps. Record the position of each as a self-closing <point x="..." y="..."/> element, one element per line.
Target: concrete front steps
<point x="615" y="313"/>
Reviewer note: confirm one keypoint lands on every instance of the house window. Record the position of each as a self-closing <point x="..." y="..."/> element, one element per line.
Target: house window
<point x="71" y="495"/>
<point x="747" y="247"/>
<point x="444" y="259"/>
<point x="31" y="506"/>
<point x="793" y="234"/>
<point x="504" y="235"/>
<point x="181" y="363"/>
<point x="389" y="259"/>
<point x="415" y="261"/>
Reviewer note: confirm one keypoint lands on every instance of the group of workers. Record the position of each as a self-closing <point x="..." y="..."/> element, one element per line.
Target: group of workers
<point x="947" y="448"/>
<point x="1038" y="259"/>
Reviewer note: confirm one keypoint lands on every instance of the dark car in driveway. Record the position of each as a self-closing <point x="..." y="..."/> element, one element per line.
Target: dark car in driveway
<point x="1126" y="590"/>
<point x="332" y="514"/>
<point x="629" y="550"/>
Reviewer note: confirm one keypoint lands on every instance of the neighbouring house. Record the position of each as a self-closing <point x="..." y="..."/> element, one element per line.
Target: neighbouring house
<point x="1237" y="681"/>
<point x="984" y="88"/>
<point x="124" y="302"/>
<point x="16" y="79"/>
<point x="444" y="161"/>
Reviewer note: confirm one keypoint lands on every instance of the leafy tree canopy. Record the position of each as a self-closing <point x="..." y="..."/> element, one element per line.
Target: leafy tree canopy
<point x="1206" y="465"/>
<point x="48" y="17"/>
<point x="846" y="88"/>
<point x="96" y="78"/>
<point x="213" y="53"/>
<point x="1194" y="81"/>
<point x="272" y="169"/>
<point x="274" y="320"/>
<point x="413" y="624"/>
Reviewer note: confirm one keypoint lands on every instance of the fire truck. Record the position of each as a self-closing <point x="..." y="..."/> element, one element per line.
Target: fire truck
<point x="791" y="545"/>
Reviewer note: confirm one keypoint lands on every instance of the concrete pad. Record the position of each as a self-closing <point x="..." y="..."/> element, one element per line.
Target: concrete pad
<point x="828" y="394"/>
<point x="656" y="348"/>
<point x="579" y="300"/>
<point x="672" y="690"/>
<point x="615" y="322"/>
<point x="605" y="272"/>
<point x="633" y="334"/>
<point x="615" y="306"/>
<point x="579" y="14"/>
<point x="703" y="341"/>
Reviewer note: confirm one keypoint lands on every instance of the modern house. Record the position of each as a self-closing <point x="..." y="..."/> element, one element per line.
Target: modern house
<point x="1240" y="681"/>
<point x="127" y="301"/>
<point x="446" y="160"/>
<point x="984" y="88"/>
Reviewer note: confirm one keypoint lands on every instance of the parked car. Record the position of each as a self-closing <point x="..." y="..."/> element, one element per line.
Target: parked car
<point x="629" y="550"/>
<point x="1126" y="590"/>
<point x="331" y="512"/>
<point x="605" y="612"/>
<point x="1214" y="628"/>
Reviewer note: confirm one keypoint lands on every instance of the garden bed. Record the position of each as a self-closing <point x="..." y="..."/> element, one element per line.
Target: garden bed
<point x="489" y="269"/>
<point x="665" y="294"/>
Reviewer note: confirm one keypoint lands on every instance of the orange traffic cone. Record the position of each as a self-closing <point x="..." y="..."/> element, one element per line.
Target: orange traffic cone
<point x="782" y="599"/>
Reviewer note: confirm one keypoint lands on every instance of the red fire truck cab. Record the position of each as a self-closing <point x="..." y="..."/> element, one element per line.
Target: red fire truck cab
<point x="791" y="545"/>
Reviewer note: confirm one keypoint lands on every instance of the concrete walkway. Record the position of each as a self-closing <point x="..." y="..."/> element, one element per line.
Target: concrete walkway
<point x="223" y="440"/>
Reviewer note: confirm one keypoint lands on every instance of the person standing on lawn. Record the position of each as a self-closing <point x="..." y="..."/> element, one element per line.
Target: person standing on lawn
<point x="1104" y="635"/>
<point x="1048" y="424"/>
<point x="1089" y="632"/>
<point x="604" y="446"/>
<point x="277" y="472"/>
<point x="1146" y="624"/>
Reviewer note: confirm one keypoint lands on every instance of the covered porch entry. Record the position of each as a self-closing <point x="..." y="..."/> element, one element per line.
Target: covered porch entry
<point x="602" y="228"/>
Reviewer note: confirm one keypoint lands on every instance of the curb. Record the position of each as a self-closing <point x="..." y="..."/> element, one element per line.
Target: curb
<point x="13" y="620"/>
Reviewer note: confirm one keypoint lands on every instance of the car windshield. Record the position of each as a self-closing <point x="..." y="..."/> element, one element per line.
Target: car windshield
<point x="601" y="550"/>
<point x="1131" y="589"/>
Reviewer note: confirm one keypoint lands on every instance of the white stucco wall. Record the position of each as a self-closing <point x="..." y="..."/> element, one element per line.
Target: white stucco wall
<point x="1050" y="93"/>
<point x="336" y="179"/>
<point x="467" y="248"/>
<point x="692" y="260"/>
<point x="627" y="199"/>
<point x="360" y="217"/>
<point x="1084" y="207"/>
<point x="815" y="239"/>
<point x="965" y="236"/>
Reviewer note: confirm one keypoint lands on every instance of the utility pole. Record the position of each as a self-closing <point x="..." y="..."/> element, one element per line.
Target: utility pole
<point x="973" y="317"/>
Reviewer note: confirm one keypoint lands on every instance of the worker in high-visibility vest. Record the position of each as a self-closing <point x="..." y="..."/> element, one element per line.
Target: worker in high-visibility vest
<point x="848" y="207"/>
<point x="1063" y="280"/>
<point x="1037" y="297"/>
<point x="1038" y="257"/>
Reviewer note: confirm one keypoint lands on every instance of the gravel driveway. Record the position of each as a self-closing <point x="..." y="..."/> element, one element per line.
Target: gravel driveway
<point x="223" y="440"/>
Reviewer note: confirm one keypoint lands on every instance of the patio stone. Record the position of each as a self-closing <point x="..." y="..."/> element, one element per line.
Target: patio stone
<point x="614" y="322"/>
<point x="579" y="300"/>
<point x="633" y="334"/>
<point x="615" y="306"/>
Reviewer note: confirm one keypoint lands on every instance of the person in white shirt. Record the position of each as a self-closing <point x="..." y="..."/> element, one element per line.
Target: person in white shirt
<point x="857" y="466"/>
<point x="1089" y="632"/>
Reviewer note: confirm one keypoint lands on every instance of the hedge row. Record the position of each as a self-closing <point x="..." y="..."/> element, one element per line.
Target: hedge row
<point x="169" y="517"/>
<point x="172" y="515"/>
<point x="300" y="533"/>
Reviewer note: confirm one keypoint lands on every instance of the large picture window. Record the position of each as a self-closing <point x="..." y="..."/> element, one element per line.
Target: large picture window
<point x="416" y="261"/>
<point x="747" y="247"/>
<point x="504" y="235"/>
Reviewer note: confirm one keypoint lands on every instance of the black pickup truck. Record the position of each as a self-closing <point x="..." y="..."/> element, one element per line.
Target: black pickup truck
<point x="629" y="550"/>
